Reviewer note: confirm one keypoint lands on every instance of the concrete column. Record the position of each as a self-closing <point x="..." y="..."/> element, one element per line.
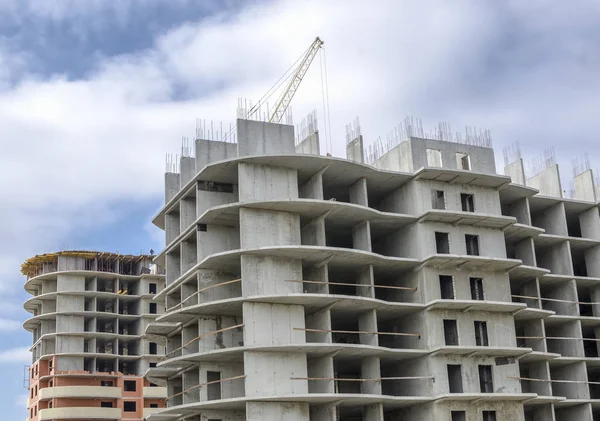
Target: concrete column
<point x="365" y="277"/>
<point x="320" y="320"/>
<point x="369" y="369"/>
<point x="355" y="150"/>
<point x="313" y="233"/>
<point x="358" y="193"/>
<point x="361" y="236"/>
<point x="263" y="183"/>
<point x="313" y="188"/>
<point x="516" y="171"/>
<point x="321" y="368"/>
<point x="581" y="412"/>
<point x="525" y="251"/>
<point x="319" y="274"/>
<point x="187" y="167"/>
<point x="367" y="322"/>
<point x="171" y="185"/>
<point x="584" y="186"/>
<point x="373" y="412"/>
<point x="589" y="221"/>
<point x="323" y="413"/>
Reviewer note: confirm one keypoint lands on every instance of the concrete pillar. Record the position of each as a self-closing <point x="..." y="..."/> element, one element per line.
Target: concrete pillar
<point x="584" y="186"/>
<point x="358" y="193"/>
<point x="361" y="236"/>
<point x="313" y="188"/>
<point x="525" y="251"/>
<point x="187" y="167"/>
<point x="369" y="369"/>
<point x="171" y="185"/>
<point x="365" y="277"/>
<point x="367" y="322"/>
<point x="323" y="413"/>
<point x="589" y="221"/>
<point x="264" y="183"/>
<point x="355" y="150"/>
<point x="373" y="412"/>
<point x="516" y="171"/>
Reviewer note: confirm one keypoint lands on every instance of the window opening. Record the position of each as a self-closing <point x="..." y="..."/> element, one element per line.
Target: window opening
<point x="446" y="287"/>
<point x="442" y="242"/>
<point x="467" y="202"/>
<point x="472" y="242"/>
<point x="481" y="334"/>
<point x="450" y="332"/>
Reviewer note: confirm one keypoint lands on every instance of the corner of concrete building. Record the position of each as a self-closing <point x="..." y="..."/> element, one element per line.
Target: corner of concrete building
<point x="263" y="138"/>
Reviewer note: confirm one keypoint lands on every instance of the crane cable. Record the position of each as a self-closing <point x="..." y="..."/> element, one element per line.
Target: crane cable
<point x="269" y="93"/>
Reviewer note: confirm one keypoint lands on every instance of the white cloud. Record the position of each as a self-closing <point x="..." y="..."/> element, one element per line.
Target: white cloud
<point x="7" y="325"/>
<point x="72" y="150"/>
<point x="15" y="355"/>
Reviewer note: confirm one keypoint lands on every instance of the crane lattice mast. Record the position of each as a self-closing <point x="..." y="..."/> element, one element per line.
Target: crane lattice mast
<point x="284" y="101"/>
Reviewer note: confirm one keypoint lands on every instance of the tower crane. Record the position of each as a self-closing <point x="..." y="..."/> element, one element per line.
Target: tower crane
<point x="286" y="97"/>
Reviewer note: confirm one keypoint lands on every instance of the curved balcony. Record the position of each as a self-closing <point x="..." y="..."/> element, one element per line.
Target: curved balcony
<point x="343" y="171"/>
<point x="73" y="392"/>
<point x="80" y="413"/>
<point x="344" y="257"/>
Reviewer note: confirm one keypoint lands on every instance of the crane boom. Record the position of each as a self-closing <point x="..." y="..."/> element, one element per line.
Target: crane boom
<point x="286" y="97"/>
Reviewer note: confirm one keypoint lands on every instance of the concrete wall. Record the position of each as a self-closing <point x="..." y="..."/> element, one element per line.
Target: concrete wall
<point x="209" y="151"/>
<point x="262" y="183"/>
<point x="310" y="145"/>
<point x="482" y="159"/>
<point x="547" y="182"/>
<point x="262" y="138"/>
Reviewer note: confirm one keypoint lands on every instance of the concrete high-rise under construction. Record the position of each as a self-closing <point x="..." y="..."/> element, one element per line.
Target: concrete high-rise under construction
<point x="405" y="283"/>
<point x="89" y="312"/>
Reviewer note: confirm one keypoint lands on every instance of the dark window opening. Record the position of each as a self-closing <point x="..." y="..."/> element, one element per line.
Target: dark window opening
<point x="472" y="242"/>
<point x="153" y="405"/>
<point x="459" y="416"/>
<point x="438" y="200"/>
<point x="106" y="383"/>
<point x="129" y="385"/>
<point x="153" y="348"/>
<point x="216" y="187"/>
<point x="476" y="288"/>
<point x="106" y="404"/>
<point x="455" y="378"/>
<point x="446" y="287"/>
<point x="481" y="334"/>
<point x="213" y="380"/>
<point x="152" y="365"/>
<point x="129" y="406"/>
<point x="51" y="383"/>
<point x="152" y="308"/>
<point x="463" y="162"/>
<point x="202" y="227"/>
<point x="466" y="200"/>
<point x="50" y="405"/>
<point x="152" y="288"/>
<point x="486" y="384"/>
<point x="451" y="332"/>
<point x="489" y="415"/>
<point x="442" y="242"/>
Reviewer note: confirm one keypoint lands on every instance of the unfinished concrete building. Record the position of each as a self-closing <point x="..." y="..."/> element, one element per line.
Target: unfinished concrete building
<point x="89" y="312"/>
<point x="410" y="283"/>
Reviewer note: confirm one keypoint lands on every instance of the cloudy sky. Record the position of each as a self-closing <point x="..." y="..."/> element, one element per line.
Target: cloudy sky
<point x="94" y="93"/>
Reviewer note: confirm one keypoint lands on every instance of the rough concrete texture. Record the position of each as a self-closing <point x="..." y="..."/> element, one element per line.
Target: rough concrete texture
<point x="394" y="323"/>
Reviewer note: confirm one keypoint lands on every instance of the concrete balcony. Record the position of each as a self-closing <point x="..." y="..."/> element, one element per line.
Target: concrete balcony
<point x="150" y="411"/>
<point x="83" y="413"/>
<point x="80" y="392"/>
<point x="155" y="392"/>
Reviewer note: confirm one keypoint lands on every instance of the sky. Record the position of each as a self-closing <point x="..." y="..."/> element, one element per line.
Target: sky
<point x="94" y="93"/>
